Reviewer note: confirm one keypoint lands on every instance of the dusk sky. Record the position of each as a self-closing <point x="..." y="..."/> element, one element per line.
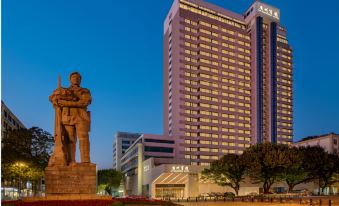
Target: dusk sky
<point x="117" y="47"/>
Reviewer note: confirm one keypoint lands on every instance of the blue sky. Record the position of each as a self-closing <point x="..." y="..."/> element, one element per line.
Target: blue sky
<point x="117" y="47"/>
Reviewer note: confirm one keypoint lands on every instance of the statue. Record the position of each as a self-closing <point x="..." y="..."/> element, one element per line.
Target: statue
<point x="63" y="175"/>
<point x="72" y="122"/>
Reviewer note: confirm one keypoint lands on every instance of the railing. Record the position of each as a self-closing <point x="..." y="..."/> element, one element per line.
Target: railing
<point x="313" y="200"/>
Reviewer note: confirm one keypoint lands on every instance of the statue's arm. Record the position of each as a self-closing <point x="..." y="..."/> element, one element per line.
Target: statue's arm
<point x="54" y="97"/>
<point x="84" y="100"/>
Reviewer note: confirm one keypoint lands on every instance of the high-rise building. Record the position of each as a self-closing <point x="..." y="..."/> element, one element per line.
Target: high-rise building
<point x="227" y="79"/>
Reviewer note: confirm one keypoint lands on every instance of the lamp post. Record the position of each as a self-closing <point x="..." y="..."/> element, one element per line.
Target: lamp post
<point x="19" y="167"/>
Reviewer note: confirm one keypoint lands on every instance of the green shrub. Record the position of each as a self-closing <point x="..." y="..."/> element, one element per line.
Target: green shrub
<point x="118" y="204"/>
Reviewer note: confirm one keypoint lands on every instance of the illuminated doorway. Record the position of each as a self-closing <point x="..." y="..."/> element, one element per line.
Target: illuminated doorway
<point x="169" y="190"/>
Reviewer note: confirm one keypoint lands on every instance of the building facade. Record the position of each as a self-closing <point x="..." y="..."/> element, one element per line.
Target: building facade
<point x="330" y="142"/>
<point x="8" y="120"/>
<point x="161" y="148"/>
<point x="122" y="141"/>
<point x="227" y="85"/>
<point x="182" y="180"/>
<point x="227" y="79"/>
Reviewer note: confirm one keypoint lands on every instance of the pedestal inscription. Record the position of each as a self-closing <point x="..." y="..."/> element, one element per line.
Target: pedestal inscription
<point x="79" y="178"/>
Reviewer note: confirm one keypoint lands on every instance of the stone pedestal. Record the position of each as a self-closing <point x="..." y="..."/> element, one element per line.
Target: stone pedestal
<point x="79" y="178"/>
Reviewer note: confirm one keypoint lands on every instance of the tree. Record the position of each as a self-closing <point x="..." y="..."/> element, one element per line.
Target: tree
<point x="109" y="178"/>
<point x="334" y="179"/>
<point x="328" y="171"/>
<point x="27" y="145"/>
<point x="294" y="171"/>
<point x="16" y="147"/>
<point x="19" y="173"/>
<point x="310" y="163"/>
<point x="227" y="171"/>
<point x="265" y="163"/>
<point x="25" y="154"/>
<point x="15" y="151"/>
<point x="41" y="146"/>
<point x="320" y="165"/>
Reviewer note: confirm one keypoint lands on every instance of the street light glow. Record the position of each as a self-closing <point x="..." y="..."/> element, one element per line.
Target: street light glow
<point x="20" y="164"/>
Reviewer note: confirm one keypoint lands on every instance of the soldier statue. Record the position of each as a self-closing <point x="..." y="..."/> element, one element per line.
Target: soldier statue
<point x="72" y="122"/>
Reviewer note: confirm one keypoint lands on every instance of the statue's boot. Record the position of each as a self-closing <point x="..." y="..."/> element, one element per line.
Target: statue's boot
<point x="71" y="147"/>
<point x="84" y="150"/>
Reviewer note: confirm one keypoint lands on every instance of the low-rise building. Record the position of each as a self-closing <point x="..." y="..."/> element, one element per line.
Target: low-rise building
<point x="161" y="148"/>
<point x="9" y="120"/>
<point x="327" y="141"/>
<point x="152" y="168"/>
<point x="122" y="141"/>
<point x="180" y="179"/>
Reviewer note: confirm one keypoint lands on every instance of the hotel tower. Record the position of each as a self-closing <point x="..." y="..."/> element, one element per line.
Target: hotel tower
<point x="227" y="79"/>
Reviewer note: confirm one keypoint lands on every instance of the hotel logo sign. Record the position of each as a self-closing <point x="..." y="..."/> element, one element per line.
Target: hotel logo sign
<point x="269" y="11"/>
<point x="146" y="168"/>
<point x="180" y="168"/>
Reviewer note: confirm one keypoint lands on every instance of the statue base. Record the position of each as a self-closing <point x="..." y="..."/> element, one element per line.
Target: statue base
<point x="79" y="178"/>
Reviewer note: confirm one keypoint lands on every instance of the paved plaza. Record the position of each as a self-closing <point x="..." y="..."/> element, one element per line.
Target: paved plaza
<point x="305" y="201"/>
<point x="235" y="204"/>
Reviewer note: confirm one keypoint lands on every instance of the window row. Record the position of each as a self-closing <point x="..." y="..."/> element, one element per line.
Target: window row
<point x="285" y="50"/>
<point x="212" y="142"/>
<point x="284" y="56"/>
<point x="228" y="31"/>
<point x="226" y="87"/>
<point x="284" y="130"/>
<point x="224" y="101"/>
<point x="208" y="13"/>
<point x="289" y="94"/>
<point x="284" y="99"/>
<point x="284" y="62"/>
<point x="215" y="114"/>
<point x="215" y="77"/>
<point x="289" y="70"/>
<point x="226" y="73"/>
<point x="212" y="106"/>
<point x="284" y="124"/>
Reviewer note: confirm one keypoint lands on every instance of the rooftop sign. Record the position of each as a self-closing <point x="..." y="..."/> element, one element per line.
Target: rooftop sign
<point x="180" y="168"/>
<point x="264" y="9"/>
<point x="146" y="168"/>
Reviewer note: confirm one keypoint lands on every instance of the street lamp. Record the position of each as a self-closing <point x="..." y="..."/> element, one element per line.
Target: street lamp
<point x="20" y="166"/>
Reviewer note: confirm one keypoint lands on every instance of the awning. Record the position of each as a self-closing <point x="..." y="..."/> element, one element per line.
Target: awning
<point x="172" y="178"/>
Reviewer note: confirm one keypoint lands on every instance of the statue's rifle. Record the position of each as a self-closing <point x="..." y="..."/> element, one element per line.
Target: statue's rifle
<point x="57" y="128"/>
<point x="59" y="143"/>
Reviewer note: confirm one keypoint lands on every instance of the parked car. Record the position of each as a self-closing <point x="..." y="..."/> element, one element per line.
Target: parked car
<point x="219" y="194"/>
<point x="211" y="194"/>
<point x="303" y="192"/>
<point x="203" y="195"/>
<point x="252" y="194"/>
<point x="215" y="194"/>
<point x="229" y="195"/>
